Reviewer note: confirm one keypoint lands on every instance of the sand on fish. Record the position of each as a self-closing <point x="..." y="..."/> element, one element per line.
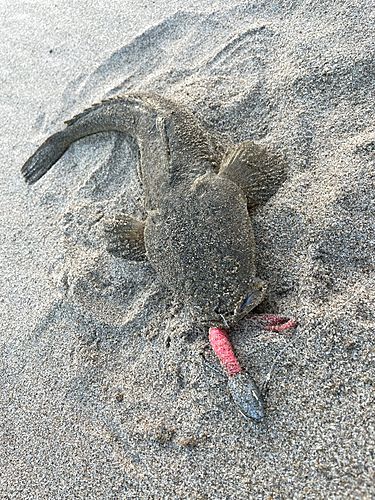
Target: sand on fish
<point x="104" y="393"/>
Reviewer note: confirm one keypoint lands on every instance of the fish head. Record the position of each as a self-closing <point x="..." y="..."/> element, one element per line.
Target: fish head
<point x="236" y="307"/>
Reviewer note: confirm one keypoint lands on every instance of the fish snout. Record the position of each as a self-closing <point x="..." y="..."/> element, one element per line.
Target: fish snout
<point x="223" y="314"/>
<point x="253" y="298"/>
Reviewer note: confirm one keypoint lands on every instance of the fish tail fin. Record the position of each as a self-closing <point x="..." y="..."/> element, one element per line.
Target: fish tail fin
<point x="44" y="157"/>
<point x="119" y="114"/>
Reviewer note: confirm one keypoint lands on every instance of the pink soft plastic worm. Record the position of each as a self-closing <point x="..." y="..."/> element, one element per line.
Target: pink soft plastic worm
<point x="223" y="349"/>
<point x="243" y="388"/>
<point x="276" y="323"/>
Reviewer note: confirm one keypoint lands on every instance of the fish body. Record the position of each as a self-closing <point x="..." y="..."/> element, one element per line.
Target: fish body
<point x="197" y="234"/>
<point x="198" y="196"/>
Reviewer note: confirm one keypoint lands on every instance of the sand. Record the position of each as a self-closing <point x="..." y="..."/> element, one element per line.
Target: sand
<point x="104" y="393"/>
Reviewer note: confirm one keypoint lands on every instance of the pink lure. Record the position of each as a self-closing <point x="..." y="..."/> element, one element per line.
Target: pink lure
<point x="223" y="349"/>
<point x="244" y="390"/>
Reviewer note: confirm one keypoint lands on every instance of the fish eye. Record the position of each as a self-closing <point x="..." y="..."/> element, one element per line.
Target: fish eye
<point x="246" y="301"/>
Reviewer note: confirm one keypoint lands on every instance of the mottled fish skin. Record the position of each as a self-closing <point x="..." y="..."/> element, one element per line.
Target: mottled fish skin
<point x="198" y="234"/>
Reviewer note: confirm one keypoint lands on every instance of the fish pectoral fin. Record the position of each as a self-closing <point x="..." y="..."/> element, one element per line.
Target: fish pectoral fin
<point x="256" y="169"/>
<point x="125" y="237"/>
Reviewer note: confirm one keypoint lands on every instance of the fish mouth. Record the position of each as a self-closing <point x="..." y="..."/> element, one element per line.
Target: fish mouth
<point x="252" y="299"/>
<point x="227" y="317"/>
<point x="242" y="306"/>
<point x="246" y="304"/>
<point x="249" y="299"/>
